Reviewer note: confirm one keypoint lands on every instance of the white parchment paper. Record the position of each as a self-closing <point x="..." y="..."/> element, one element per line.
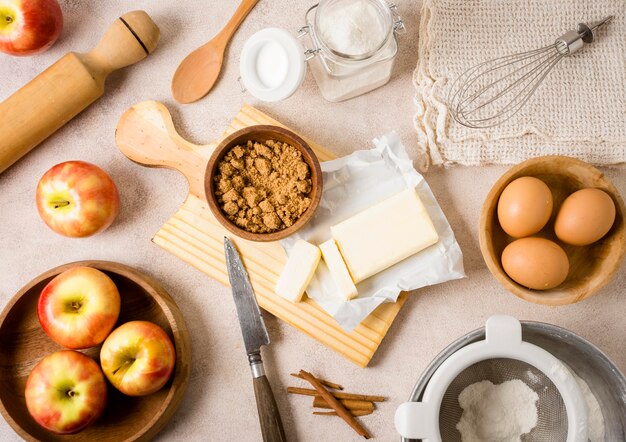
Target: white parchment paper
<point x="354" y="183"/>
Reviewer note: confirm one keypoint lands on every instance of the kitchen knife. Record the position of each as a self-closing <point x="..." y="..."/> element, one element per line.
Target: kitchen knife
<point x="254" y="336"/>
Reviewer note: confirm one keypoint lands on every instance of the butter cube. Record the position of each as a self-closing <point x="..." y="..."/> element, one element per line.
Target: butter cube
<point x="385" y="234"/>
<point x="298" y="271"/>
<point x="338" y="270"/>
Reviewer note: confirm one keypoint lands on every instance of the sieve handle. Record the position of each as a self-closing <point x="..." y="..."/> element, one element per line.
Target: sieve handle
<point x="503" y="331"/>
<point x="413" y="420"/>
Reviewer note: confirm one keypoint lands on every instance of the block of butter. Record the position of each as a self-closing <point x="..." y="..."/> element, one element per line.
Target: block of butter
<point x="338" y="270"/>
<point x="385" y="234"/>
<point x="298" y="271"/>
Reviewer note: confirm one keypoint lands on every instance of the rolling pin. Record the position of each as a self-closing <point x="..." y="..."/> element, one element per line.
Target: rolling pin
<point x="59" y="93"/>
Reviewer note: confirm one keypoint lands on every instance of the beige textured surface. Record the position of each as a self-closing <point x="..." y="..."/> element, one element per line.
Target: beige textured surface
<point x="219" y="405"/>
<point x="577" y="110"/>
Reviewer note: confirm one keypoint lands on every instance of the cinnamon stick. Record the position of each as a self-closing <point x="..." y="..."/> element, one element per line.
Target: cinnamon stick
<point x="322" y="381"/>
<point x="335" y="404"/>
<point x="350" y="404"/>
<point x="337" y="394"/>
<point x="353" y="412"/>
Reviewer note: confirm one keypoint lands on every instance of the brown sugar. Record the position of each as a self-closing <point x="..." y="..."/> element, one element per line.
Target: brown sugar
<point x="263" y="187"/>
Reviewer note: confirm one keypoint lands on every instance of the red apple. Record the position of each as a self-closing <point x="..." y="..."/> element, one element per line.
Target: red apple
<point x="29" y="26"/>
<point x="77" y="199"/>
<point x="79" y="307"/>
<point x="138" y="358"/>
<point x="66" y="392"/>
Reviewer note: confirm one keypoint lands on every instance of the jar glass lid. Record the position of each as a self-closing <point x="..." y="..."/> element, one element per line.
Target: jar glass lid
<point x="272" y="64"/>
<point x="353" y="29"/>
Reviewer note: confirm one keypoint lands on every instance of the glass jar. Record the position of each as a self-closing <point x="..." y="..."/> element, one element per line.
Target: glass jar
<point x="339" y="75"/>
<point x="345" y="61"/>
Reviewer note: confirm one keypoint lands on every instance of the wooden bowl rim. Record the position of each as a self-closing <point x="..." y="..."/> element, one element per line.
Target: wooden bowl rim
<point x="180" y="332"/>
<point x="296" y="141"/>
<point x="486" y="245"/>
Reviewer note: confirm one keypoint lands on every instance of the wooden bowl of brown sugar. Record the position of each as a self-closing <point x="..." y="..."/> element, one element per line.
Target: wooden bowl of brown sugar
<point x="263" y="183"/>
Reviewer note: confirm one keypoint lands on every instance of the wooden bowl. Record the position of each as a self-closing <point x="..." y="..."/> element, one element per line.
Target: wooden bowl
<point x="262" y="133"/>
<point x="592" y="266"/>
<point x="23" y="344"/>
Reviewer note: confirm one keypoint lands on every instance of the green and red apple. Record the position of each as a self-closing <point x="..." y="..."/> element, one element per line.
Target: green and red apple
<point x="29" y="26"/>
<point x="138" y="358"/>
<point x="66" y="392"/>
<point x="77" y="199"/>
<point x="79" y="307"/>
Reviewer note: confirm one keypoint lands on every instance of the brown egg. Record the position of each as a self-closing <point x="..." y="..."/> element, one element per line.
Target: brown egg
<point x="524" y="207"/>
<point x="536" y="263"/>
<point x="584" y="217"/>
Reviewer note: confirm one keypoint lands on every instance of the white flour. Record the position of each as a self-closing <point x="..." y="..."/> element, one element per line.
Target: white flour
<point x="497" y="413"/>
<point x="352" y="28"/>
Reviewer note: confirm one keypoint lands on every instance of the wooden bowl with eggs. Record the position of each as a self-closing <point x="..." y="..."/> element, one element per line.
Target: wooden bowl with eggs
<point x="591" y="266"/>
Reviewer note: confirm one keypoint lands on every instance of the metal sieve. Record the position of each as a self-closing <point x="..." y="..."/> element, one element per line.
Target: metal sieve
<point x="551" y="415"/>
<point x="583" y="358"/>
<point x="502" y="355"/>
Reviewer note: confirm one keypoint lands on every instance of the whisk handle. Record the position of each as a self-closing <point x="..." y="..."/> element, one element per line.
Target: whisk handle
<point x="569" y="42"/>
<point x="572" y="41"/>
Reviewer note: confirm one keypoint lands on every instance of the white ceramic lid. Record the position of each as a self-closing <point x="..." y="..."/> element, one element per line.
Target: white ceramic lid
<point x="272" y="64"/>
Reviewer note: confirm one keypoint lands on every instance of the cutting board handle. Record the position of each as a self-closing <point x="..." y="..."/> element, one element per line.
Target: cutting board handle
<point x="146" y="135"/>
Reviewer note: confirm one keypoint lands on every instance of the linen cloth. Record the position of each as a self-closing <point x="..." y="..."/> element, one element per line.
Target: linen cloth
<point x="579" y="110"/>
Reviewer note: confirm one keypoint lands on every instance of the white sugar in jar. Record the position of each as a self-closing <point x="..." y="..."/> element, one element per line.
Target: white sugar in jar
<point x="351" y="48"/>
<point x="351" y="27"/>
<point x="354" y="45"/>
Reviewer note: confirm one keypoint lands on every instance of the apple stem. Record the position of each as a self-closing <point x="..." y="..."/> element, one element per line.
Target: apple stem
<point x="58" y="204"/>
<point x="128" y="362"/>
<point x="70" y="393"/>
<point x="9" y="19"/>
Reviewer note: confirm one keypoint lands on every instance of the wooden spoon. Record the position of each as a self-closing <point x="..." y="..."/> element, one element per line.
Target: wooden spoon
<point x="198" y="72"/>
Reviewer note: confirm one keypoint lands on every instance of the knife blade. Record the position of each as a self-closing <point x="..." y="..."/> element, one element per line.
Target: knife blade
<point x="254" y="336"/>
<point x="252" y="326"/>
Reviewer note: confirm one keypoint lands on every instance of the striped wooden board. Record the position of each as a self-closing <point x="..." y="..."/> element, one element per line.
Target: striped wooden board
<point x="146" y="135"/>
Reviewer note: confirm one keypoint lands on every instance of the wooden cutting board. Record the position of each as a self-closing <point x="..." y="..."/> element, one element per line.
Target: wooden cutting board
<point x="146" y="135"/>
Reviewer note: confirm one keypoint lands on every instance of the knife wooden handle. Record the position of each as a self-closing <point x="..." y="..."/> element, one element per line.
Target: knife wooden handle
<point x="271" y="425"/>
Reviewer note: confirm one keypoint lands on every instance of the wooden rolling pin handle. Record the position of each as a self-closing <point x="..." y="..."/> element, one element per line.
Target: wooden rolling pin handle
<point x="130" y="39"/>
<point x="59" y="93"/>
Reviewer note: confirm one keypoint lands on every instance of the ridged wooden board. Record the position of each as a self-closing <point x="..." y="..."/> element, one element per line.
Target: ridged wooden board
<point x="146" y="134"/>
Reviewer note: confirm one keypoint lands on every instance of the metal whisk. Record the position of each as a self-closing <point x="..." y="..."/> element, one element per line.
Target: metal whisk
<point x="493" y="91"/>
